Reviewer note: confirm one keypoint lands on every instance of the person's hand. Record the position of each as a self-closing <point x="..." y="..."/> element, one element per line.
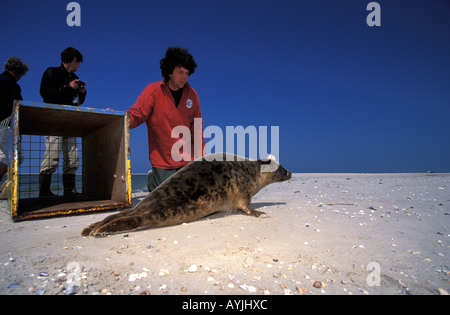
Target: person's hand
<point x="74" y="84"/>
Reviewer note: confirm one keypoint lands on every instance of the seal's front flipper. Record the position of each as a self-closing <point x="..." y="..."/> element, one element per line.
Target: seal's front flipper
<point x="255" y="213"/>
<point x="250" y="211"/>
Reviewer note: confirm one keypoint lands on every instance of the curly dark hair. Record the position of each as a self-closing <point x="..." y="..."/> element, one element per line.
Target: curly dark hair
<point x="69" y="53"/>
<point x="16" y="65"/>
<point x="175" y="57"/>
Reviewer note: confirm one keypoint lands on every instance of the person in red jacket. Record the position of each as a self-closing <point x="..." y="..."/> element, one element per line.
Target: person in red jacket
<point x="166" y="106"/>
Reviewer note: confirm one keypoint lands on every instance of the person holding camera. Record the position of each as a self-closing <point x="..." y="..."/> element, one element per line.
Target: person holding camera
<point x="60" y="85"/>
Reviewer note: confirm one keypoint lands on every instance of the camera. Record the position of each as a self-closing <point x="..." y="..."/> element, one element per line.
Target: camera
<point x="81" y="84"/>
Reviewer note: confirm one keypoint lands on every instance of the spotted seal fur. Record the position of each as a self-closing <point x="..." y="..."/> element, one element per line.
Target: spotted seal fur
<point x="209" y="184"/>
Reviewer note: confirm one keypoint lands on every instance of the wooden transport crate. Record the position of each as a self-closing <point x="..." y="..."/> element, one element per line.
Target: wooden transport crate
<point x="105" y="158"/>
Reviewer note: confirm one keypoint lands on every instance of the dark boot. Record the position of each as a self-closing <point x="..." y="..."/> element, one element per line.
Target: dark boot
<point x="69" y="185"/>
<point x="44" y="186"/>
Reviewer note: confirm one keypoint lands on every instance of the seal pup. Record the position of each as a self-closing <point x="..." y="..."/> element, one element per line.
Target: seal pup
<point x="209" y="184"/>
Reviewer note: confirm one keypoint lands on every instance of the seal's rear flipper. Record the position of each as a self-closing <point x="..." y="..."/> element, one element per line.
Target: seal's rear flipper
<point x="87" y="231"/>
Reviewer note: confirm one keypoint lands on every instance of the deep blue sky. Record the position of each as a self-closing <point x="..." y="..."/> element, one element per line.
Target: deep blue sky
<point x="347" y="97"/>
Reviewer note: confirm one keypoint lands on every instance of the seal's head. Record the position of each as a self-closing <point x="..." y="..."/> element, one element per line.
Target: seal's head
<point x="272" y="172"/>
<point x="283" y="174"/>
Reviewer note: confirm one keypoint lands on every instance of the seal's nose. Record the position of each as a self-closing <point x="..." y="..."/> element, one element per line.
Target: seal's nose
<point x="283" y="174"/>
<point x="288" y="175"/>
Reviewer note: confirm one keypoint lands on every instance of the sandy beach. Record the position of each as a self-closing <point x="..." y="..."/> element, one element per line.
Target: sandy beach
<point x="322" y="234"/>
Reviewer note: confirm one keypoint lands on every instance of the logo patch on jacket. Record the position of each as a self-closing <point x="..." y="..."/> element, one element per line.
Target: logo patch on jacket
<point x="189" y="103"/>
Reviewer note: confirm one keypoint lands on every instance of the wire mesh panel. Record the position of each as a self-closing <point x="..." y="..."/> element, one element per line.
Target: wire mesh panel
<point x="36" y="156"/>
